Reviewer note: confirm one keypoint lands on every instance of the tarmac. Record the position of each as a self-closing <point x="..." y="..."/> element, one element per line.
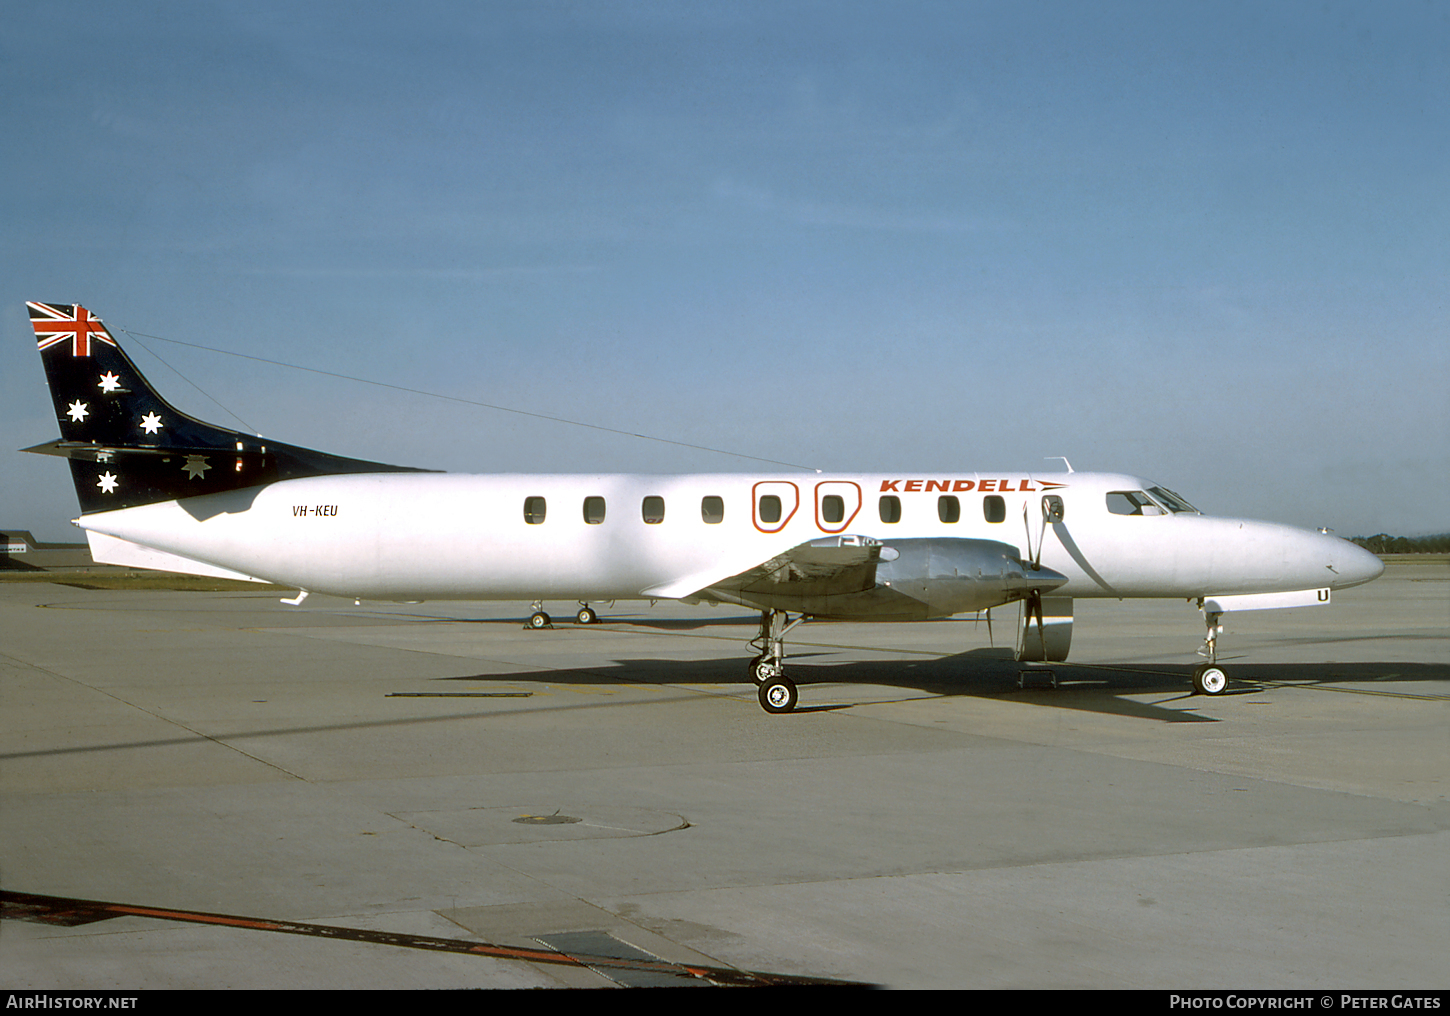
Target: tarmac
<point x="214" y="790"/>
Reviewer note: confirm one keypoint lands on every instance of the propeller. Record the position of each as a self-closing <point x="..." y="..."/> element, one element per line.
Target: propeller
<point x="1032" y="604"/>
<point x="1027" y="527"/>
<point x="1035" y="557"/>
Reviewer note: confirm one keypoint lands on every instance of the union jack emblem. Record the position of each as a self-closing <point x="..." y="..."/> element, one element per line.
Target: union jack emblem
<point x="57" y="322"/>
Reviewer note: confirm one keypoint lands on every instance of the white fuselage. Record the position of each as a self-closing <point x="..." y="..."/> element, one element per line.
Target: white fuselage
<point x="410" y="536"/>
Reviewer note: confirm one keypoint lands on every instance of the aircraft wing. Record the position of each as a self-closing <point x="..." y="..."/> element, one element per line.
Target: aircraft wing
<point x="825" y="567"/>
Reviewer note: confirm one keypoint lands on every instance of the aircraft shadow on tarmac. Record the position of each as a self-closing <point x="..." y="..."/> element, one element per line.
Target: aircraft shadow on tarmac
<point x="982" y="673"/>
<point x="992" y="673"/>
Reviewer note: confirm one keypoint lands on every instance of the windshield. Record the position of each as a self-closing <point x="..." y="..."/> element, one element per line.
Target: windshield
<point x="1172" y="501"/>
<point x="1132" y="502"/>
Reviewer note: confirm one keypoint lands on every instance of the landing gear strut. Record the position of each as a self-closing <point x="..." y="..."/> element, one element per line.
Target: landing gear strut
<point x="777" y="692"/>
<point x="1209" y="678"/>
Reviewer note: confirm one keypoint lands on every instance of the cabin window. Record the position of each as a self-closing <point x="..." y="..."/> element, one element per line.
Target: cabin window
<point x="534" y="510"/>
<point x="890" y="508"/>
<point x="1132" y="502"/>
<point x="653" y="510"/>
<point x="948" y="508"/>
<point x="833" y="508"/>
<point x="769" y="509"/>
<point x="994" y="509"/>
<point x="712" y="510"/>
<point x="594" y="510"/>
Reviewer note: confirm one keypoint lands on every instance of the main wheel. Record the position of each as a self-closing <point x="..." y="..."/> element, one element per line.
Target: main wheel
<point x="586" y="616"/>
<point x="777" y="694"/>
<point x="762" y="669"/>
<point x="1209" y="679"/>
<point x="540" y="620"/>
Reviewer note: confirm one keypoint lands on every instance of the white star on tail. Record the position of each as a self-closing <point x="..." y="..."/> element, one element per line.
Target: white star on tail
<point x="151" y="423"/>
<point x="77" y="411"/>
<point x="107" y="483"/>
<point x="196" y="466"/>
<point x="109" y="382"/>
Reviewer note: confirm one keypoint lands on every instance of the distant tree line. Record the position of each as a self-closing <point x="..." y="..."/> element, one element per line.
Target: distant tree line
<point x="1384" y="544"/>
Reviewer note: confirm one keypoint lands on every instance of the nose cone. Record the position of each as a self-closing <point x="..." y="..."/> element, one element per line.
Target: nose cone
<point x="1022" y="580"/>
<point x="1353" y="565"/>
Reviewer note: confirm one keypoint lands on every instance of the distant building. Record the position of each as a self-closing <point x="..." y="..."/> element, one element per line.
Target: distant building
<point x="20" y="551"/>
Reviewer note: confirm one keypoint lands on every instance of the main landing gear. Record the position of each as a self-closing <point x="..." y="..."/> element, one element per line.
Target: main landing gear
<point x="767" y="670"/>
<point x="539" y="619"/>
<point x="1209" y="678"/>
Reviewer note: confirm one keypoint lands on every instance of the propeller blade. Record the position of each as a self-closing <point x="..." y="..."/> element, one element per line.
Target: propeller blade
<point x="1027" y="530"/>
<point x="1035" y="557"/>
<point x="1034" y="607"/>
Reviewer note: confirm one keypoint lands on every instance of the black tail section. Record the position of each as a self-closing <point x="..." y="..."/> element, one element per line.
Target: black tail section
<point x="127" y="446"/>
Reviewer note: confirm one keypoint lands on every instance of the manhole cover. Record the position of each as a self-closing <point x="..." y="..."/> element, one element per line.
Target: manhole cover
<point x="554" y="819"/>
<point x="518" y="823"/>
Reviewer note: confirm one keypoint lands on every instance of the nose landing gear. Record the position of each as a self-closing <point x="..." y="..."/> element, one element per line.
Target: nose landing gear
<point x="1209" y="678"/>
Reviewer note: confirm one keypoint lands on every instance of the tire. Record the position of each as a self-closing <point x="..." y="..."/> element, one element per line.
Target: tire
<point x="539" y="620"/>
<point x="1209" y="679"/>
<point x="586" y="616"/>
<point x="778" y="694"/>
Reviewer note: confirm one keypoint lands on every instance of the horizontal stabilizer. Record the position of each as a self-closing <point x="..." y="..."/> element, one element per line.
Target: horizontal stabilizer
<point x="87" y="452"/>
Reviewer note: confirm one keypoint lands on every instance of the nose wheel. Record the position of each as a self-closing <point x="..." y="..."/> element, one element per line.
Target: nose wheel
<point x="1209" y="679"/>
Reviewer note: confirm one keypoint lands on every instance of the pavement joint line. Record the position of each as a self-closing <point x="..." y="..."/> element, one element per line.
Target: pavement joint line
<point x="197" y="734"/>
<point x="1356" y="691"/>
<point x="32" y="904"/>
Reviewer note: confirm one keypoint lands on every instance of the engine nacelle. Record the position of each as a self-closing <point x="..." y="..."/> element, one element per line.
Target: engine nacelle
<point x="1051" y="641"/>
<point x="938" y="577"/>
<point x="949" y="576"/>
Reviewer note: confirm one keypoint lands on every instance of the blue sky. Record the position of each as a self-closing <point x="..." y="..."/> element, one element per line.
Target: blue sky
<point x="1203" y="243"/>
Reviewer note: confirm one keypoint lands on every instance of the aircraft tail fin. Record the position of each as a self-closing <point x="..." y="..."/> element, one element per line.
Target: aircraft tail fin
<point x="128" y="446"/>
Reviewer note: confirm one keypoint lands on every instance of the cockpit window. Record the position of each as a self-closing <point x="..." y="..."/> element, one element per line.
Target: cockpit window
<point x="1172" y="501"/>
<point x="1132" y="502"/>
